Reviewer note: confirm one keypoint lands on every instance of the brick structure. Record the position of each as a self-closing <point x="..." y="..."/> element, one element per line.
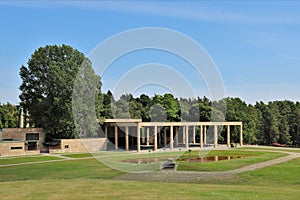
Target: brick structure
<point x="79" y="145"/>
<point x="21" y="141"/>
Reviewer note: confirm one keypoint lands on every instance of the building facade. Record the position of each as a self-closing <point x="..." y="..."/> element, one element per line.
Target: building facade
<point x="21" y="141"/>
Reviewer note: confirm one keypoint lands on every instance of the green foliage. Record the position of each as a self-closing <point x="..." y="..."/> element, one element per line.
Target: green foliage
<point x="275" y="122"/>
<point x="47" y="87"/>
<point x="87" y="100"/>
<point x="108" y="101"/>
<point x="47" y="92"/>
<point x="8" y="116"/>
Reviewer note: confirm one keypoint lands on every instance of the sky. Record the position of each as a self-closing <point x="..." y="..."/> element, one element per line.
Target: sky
<point x="255" y="45"/>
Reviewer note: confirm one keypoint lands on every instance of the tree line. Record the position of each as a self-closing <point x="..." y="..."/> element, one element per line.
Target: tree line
<point x="46" y="94"/>
<point x="266" y="124"/>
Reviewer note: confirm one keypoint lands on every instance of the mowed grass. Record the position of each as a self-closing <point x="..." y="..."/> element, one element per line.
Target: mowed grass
<point x="279" y="175"/>
<point x="112" y="189"/>
<point x="26" y="159"/>
<point x="78" y="155"/>
<point x="248" y="158"/>
<point x="116" y="159"/>
<point x="285" y="149"/>
<point x="87" y="178"/>
<point x="69" y="169"/>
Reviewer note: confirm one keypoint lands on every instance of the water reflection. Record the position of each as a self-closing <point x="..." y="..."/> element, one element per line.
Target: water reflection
<point x="213" y="158"/>
<point x="201" y="159"/>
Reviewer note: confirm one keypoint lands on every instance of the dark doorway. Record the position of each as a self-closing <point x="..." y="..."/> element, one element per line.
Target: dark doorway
<point x="32" y="145"/>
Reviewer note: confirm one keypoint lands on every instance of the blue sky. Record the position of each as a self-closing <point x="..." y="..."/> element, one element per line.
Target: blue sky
<point x="254" y="44"/>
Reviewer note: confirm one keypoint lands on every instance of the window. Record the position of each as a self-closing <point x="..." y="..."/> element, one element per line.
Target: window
<point x="32" y="136"/>
<point x="15" y="148"/>
<point x="66" y="146"/>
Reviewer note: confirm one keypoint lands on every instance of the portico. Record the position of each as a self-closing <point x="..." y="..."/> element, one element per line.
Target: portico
<point x="130" y="133"/>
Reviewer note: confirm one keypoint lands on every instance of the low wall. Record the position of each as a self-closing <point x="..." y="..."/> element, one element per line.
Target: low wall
<point x="6" y="148"/>
<point x="80" y="145"/>
<point x="20" y="134"/>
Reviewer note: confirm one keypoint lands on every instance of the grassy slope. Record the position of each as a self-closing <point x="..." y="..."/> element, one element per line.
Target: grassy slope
<point x="89" y="179"/>
<point x="87" y="168"/>
<point x="251" y="157"/>
<point x="296" y="150"/>
<point x="284" y="174"/>
<point x="25" y="159"/>
<point x="109" y="189"/>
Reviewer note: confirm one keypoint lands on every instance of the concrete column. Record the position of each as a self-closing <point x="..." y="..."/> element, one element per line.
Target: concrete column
<point x="165" y="136"/>
<point x="176" y="136"/>
<point x="21" y="118"/>
<point x="201" y="137"/>
<point x="241" y="135"/>
<point x="215" y="136"/>
<point x="116" y="137"/>
<point x="138" y="138"/>
<point x="27" y="121"/>
<point x="126" y="138"/>
<point x="228" y="135"/>
<point x="148" y="136"/>
<point x="143" y="135"/>
<point x="183" y="135"/>
<point x="132" y="138"/>
<point x="204" y="134"/>
<point x="105" y="131"/>
<point x="186" y="137"/>
<point x="171" y="137"/>
<point x="194" y="134"/>
<point x="155" y="138"/>
<point x="159" y="138"/>
<point x="216" y="158"/>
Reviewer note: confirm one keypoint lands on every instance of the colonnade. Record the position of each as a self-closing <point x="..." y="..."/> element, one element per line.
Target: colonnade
<point x="173" y="131"/>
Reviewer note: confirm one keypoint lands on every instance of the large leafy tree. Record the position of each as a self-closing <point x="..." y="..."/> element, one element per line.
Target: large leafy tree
<point x="172" y="107"/>
<point x="121" y="107"/>
<point x="108" y="102"/>
<point x="47" y="87"/>
<point x="8" y="116"/>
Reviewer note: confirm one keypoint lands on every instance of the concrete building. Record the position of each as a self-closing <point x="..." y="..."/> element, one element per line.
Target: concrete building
<point x="21" y="141"/>
<point x="83" y="145"/>
<point x="128" y="134"/>
<point x="135" y="134"/>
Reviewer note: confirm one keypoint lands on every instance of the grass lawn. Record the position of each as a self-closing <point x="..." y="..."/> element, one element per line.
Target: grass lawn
<point x="90" y="179"/>
<point x="87" y="168"/>
<point x="26" y="159"/>
<point x="296" y="150"/>
<point x="287" y="173"/>
<point x="78" y="155"/>
<point x="111" y="189"/>
<point x="250" y="157"/>
<point x="116" y="160"/>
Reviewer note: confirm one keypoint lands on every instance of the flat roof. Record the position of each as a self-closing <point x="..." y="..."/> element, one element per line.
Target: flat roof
<point x="123" y="120"/>
<point x="11" y="141"/>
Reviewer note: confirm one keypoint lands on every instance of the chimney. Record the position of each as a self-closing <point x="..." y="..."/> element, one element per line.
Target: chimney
<point x="27" y="121"/>
<point x="21" y="117"/>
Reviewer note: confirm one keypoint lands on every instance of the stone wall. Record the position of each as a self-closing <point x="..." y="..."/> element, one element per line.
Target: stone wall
<point x="19" y="134"/>
<point x="80" y="145"/>
<point x="12" y="148"/>
<point x="14" y="142"/>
